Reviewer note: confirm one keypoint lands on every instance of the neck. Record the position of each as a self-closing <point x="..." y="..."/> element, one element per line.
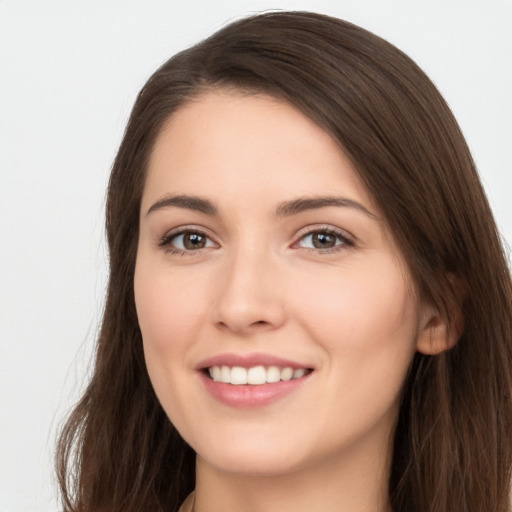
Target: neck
<point x="357" y="484"/>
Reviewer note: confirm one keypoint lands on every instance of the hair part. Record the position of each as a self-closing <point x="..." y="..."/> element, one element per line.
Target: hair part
<point x="452" y="447"/>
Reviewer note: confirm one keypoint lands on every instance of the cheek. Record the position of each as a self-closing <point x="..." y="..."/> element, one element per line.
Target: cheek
<point x="167" y="313"/>
<point x="167" y="308"/>
<point x="369" y="299"/>
<point x="366" y="321"/>
<point x="169" y="319"/>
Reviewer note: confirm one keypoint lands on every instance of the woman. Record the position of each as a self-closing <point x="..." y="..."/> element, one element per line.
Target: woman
<point x="308" y="303"/>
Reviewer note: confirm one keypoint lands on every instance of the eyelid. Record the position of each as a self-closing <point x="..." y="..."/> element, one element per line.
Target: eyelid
<point x="347" y="239"/>
<point x="165" y="241"/>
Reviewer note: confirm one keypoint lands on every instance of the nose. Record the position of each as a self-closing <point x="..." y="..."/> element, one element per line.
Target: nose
<point x="250" y="297"/>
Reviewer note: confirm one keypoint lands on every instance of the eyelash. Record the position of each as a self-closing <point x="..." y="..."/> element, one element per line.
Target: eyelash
<point x="346" y="242"/>
<point x="166" y="240"/>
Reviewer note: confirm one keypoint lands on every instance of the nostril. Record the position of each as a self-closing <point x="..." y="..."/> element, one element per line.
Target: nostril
<point x="261" y="323"/>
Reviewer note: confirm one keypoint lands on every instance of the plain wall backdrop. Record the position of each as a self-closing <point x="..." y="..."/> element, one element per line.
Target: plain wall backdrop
<point x="69" y="73"/>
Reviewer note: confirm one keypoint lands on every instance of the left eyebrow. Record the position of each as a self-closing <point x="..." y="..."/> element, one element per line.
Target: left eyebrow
<point x="303" y="204"/>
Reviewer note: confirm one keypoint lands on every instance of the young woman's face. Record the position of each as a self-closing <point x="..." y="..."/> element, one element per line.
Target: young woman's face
<point x="262" y="259"/>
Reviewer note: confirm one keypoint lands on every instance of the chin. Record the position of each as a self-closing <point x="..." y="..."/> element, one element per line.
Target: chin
<point x="254" y="464"/>
<point x="252" y="457"/>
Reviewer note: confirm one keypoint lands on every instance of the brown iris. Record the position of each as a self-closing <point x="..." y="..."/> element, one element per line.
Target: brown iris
<point x="193" y="241"/>
<point x="322" y="240"/>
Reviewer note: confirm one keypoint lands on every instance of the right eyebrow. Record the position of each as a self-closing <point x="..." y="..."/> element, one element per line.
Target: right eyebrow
<point x="195" y="203"/>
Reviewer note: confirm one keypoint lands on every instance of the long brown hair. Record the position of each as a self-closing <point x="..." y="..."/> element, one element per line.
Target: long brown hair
<point x="453" y="446"/>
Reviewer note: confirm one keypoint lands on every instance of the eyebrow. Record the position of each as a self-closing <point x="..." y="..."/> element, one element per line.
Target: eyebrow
<point x="285" y="209"/>
<point x="302" y="204"/>
<point x="195" y="203"/>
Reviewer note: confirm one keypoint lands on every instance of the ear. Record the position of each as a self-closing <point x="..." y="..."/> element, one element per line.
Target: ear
<point x="439" y="332"/>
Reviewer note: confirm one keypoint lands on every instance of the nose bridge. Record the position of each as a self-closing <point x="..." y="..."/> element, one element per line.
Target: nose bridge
<point x="249" y="294"/>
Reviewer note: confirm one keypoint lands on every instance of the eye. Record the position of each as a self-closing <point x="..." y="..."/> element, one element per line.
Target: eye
<point x="186" y="241"/>
<point x="324" y="239"/>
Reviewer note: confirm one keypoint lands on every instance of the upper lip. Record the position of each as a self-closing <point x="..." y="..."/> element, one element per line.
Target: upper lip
<point x="249" y="361"/>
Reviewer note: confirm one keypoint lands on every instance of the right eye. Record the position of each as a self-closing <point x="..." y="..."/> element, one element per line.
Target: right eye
<point x="186" y="241"/>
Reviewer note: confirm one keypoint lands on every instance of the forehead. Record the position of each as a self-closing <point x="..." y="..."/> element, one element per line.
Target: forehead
<point x="228" y="143"/>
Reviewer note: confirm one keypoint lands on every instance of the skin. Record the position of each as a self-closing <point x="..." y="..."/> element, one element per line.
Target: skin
<point x="260" y="285"/>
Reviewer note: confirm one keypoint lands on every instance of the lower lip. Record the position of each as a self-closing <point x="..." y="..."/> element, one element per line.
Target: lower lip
<point x="247" y="395"/>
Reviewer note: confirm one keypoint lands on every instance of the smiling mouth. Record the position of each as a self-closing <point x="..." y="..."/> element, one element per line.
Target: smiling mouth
<point x="256" y="375"/>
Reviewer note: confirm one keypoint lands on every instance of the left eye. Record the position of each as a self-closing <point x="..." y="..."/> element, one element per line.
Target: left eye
<point x="322" y="240"/>
<point x="190" y="241"/>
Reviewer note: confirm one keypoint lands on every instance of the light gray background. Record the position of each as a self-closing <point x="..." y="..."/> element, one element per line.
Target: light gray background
<point x="69" y="73"/>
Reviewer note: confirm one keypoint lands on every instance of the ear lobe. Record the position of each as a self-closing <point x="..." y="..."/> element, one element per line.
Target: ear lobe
<point x="439" y="333"/>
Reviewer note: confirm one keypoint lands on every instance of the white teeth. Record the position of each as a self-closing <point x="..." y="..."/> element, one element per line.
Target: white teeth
<point x="286" y="373"/>
<point x="297" y="374"/>
<point x="215" y="373"/>
<point x="255" y="376"/>
<point x="238" y="375"/>
<point x="225" y="374"/>
<point x="273" y="374"/>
